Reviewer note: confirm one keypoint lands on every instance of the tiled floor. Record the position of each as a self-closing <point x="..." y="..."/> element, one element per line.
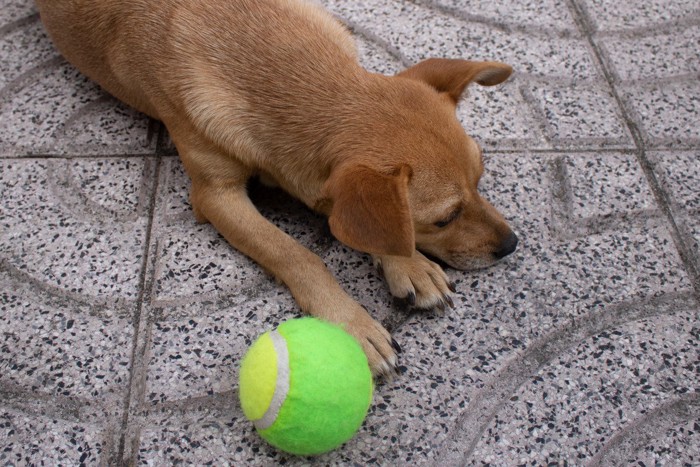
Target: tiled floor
<point x="122" y="321"/>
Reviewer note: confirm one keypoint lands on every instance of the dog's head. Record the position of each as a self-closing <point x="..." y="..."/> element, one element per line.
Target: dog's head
<point x="417" y="187"/>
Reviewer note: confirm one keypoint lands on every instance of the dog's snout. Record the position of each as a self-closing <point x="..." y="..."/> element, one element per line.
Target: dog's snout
<point x="507" y="247"/>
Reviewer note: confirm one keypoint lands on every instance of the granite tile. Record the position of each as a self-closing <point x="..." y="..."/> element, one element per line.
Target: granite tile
<point x="653" y="57"/>
<point x="581" y="115"/>
<point x="222" y="439"/>
<point x="39" y="440"/>
<point x="199" y="355"/>
<point x="22" y="50"/>
<point x="606" y="185"/>
<point x="501" y="117"/>
<point x="551" y="16"/>
<point x="56" y="110"/>
<point x="77" y="225"/>
<point x="661" y="436"/>
<point x="419" y="31"/>
<point x="448" y="357"/>
<point x="676" y="445"/>
<point x="13" y="10"/>
<point x="195" y="263"/>
<point x="216" y="433"/>
<point x="564" y="265"/>
<point x="571" y="408"/>
<point x="589" y="329"/>
<point x="667" y="113"/>
<point x="375" y="57"/>
<point x="55" y="346"/>
<point x="638" y="14"/>
<point x="679" y="175"/>
<point x="691" y="230"/>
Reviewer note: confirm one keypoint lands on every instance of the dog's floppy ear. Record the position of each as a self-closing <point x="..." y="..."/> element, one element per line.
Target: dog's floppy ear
<point x="452" y="76"/>
<point x="369" y="209"/>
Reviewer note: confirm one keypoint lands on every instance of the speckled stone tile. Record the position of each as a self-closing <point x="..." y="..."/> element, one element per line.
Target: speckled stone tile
<point x="656" y="56"/>
<point x="576" y="404"/>
<point x="550" y="16"/>
<point x="580" y="348"/>
<point x="48" y="107"/>
<point x="198" y="355"/>
<point x="205" y="439"/>
<point x="638" y="14"/>
<point x="679" y="175"/>
<point x="194" y="261"/>
<point x="76" y="225"/>
<point x="448" y="356"/>
<point x="60" y="347"/>
<point x="607" y="251"/>
<point x="675" y="445"/>
<point x="22" y="50"/>
<point x="502" y="117"/>
<point x="55" y="110"/>
<point x="13" y="10"/>
<point x="691" y="228"/>
<point x="602" y="254"/>
<point x="607" y="185"/>
<point x="39" y="440"/>
<point x="420" y="31"/>
<point x="375" y="57"/>
<point x="667" y="113"/>
<point x="581" y="114"/>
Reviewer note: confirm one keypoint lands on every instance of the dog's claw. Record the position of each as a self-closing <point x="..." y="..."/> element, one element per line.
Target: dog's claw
<point x="386" y="366"/>
<point x="411" y="298"/>
<point x="449" y="301"/>
<point x="379" y="268"/>
<point x="441" y="305"/>
<point x="452" y="286"/>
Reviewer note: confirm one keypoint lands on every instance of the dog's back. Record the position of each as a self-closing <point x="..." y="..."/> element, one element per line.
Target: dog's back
<point x="265" y="47"/>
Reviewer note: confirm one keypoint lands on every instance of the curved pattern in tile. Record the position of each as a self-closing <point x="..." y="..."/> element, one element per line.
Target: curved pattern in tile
<point x="122" y="321"/>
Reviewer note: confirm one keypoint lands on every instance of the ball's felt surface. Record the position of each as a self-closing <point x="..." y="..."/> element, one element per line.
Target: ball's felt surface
<point x="324" y="380"/>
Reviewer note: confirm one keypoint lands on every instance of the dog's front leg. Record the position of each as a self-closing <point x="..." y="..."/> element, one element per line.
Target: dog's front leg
<point x="224" y="202"/>
<point x="417" y="279"/>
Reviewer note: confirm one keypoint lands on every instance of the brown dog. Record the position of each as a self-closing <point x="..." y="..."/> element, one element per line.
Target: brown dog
<point x="273" y="88"/>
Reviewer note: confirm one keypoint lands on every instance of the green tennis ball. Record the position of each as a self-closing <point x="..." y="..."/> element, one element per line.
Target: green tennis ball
<point x="306" y="386"/>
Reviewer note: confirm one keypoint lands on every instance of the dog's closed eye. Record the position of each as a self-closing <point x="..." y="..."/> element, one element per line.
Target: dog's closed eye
<point x="452" y="216"/>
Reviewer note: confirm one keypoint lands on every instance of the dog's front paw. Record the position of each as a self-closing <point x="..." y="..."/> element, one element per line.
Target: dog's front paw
<point x="377" y="343"/>
<point x="418" y="280"/>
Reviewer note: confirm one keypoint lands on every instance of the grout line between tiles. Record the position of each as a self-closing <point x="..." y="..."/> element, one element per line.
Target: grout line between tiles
<point x="144" y="292"/>
<point x="582" y="17"/>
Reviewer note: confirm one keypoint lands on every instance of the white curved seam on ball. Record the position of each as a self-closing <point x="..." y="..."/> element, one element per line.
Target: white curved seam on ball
<point x="282" y="384"/>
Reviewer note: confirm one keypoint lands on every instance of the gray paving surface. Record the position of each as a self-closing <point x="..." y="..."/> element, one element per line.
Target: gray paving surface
<point x="122" y="321"/>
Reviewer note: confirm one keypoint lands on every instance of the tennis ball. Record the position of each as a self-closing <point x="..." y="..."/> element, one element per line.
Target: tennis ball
<point x="306" y="386"/>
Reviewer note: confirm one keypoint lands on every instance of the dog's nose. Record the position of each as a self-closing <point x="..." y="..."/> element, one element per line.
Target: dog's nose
<point x="508" y="246"/>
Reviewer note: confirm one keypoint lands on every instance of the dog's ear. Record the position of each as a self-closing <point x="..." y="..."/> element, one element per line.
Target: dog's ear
<point x="452" y="76"/>
<point x="369" y="209"/>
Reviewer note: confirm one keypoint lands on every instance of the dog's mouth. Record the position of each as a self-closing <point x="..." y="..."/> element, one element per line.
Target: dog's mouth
<point x="462" y="261"/>
<point x="469" y="263"/>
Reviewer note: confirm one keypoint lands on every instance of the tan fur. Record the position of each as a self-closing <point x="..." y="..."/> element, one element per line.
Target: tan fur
<point x="273" y="88"/>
